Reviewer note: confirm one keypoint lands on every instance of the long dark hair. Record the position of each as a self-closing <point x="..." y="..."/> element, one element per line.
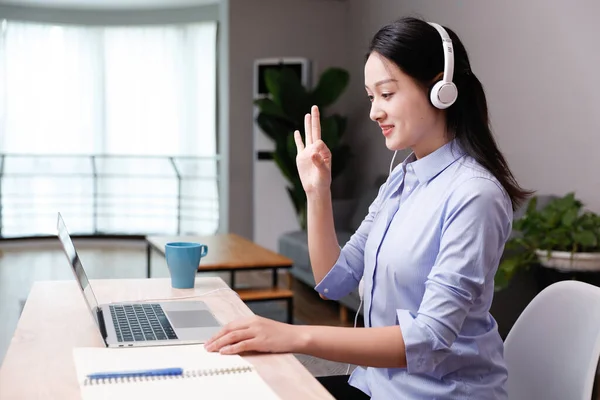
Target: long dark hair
<point x="416" y="48"/>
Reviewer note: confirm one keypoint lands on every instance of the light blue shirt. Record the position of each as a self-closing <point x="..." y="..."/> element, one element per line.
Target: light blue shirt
<point x="429" y="249"/>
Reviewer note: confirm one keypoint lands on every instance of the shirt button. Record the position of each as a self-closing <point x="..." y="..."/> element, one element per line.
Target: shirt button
<point x="326" y="290"/>
<point x="408" y="189"/>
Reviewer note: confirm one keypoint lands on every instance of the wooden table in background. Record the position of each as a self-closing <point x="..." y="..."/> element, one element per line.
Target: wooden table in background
<point x="233" y="253"/>
<point x="39" y="362"/>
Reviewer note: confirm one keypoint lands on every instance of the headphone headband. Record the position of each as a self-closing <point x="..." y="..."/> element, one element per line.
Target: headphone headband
<point x="448" y="52"/>
<point x="444" y="92"/>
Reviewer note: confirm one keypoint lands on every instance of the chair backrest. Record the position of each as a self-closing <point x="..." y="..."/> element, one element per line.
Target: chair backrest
<point x="552" y="350"/>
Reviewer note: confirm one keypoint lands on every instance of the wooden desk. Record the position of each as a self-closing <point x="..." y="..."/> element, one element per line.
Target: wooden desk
<point x="39" y="361"/>
<point x="233" y="253"/>
<point x="226" y="253"/>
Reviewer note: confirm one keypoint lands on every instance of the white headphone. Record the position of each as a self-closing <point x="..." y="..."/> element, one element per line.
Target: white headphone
<point x="444" y="93"/>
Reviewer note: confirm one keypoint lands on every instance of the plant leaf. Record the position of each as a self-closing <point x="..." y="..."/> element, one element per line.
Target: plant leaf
<point x="275" y="128"/>
<point x="295" y="100"/>
<point x="506" y="270"/>
<point x="272" y="81"/>
<point x="501" y="281"/>
<point x="569" y="217"/>
<point x="585" y="238"/>
<point x="291" y="146"/>
<point x="332" y="84"/>
<point x="559" y="226"/>
<point x="330" y="132"/>
<point x="293" y="198"/>
<point x="342" y="122"/>
<point x="269" y="107"/>
<point x="282" y="161"/>
<point x="532" y="206"/>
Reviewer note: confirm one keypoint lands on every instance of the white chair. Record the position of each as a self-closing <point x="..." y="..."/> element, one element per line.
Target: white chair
<point x="552" y="350"/>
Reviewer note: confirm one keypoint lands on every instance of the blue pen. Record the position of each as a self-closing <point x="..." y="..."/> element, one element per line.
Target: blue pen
<point x="139" y="373"/>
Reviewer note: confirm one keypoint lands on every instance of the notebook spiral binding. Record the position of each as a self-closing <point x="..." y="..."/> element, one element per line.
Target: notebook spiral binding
<point x="186" y="374"/>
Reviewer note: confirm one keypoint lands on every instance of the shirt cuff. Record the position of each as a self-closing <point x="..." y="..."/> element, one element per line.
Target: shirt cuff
<point x="423" y="350"/>
<point x="338" y="282"/>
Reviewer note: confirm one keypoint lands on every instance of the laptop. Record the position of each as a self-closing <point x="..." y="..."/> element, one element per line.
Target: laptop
<point x="144" y="323"/>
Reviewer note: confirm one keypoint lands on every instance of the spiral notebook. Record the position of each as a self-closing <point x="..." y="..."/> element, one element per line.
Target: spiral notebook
<point x="205" y="375"/>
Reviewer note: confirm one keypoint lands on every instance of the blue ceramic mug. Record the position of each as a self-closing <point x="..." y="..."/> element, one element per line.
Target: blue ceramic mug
<point x="183" y="260"/>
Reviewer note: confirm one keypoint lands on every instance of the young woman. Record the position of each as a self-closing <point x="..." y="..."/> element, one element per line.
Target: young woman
<point x="428" y="248"/>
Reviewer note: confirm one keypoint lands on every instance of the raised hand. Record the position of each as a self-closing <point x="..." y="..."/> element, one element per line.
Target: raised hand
<point x="314" y="159"/>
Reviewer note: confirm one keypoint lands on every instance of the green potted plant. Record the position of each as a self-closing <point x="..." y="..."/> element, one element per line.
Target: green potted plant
<point x="562" y="235"/>
<point x="282" y="112"/>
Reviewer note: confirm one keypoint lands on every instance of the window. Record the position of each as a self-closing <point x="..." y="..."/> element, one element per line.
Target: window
<point x="144" y="98"/>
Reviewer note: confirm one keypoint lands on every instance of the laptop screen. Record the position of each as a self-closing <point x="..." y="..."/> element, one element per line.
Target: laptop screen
<point x="80" y="276"/>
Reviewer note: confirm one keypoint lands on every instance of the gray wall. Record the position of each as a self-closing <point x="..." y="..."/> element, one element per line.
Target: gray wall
<point x="315" y="29"/>
<point x="223" y="112"/>
<point x="538" y="64"/>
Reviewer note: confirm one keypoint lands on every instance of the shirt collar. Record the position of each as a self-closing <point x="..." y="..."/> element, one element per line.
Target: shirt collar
<point x="428" y="167"/>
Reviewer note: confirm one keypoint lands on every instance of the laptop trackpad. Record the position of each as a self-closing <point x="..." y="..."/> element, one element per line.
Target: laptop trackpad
<point x="192" y="319"/>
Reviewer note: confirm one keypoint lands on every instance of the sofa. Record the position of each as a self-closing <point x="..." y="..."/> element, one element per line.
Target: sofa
<point x="294" y="245"/>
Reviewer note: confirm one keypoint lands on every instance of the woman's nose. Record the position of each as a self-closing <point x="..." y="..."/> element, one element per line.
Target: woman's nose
<point x="376" y="112"/>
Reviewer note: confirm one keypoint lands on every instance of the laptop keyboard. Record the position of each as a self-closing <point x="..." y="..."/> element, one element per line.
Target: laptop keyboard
<point x="141" y="322"/>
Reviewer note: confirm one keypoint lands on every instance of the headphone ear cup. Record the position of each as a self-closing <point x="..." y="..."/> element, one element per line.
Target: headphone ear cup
<point x="443" y="94"/>
<point x="433" y="95"/>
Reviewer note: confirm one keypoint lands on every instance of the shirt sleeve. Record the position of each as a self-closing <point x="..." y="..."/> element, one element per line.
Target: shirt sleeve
<point x="347" y="271"/>
<point x="476" y="225"/>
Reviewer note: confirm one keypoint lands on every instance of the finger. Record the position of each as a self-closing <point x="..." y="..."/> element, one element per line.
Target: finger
<point x="315" y="123"/>
<point x="322" y="148"/>
<point x="298" y="140"/>
<point x="230" y="327"/>
<point x="307" y="130"/>
<point x="209" y="345"/>
<point x="318" y="161"/>
<point x="230" y="339"/>
<point x="217" y="336"/>
<point x="240" y="347"/>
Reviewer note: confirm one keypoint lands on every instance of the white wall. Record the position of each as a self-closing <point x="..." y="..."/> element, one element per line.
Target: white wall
<point x="315" y="29"/>
<point x="539" y="63"/>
